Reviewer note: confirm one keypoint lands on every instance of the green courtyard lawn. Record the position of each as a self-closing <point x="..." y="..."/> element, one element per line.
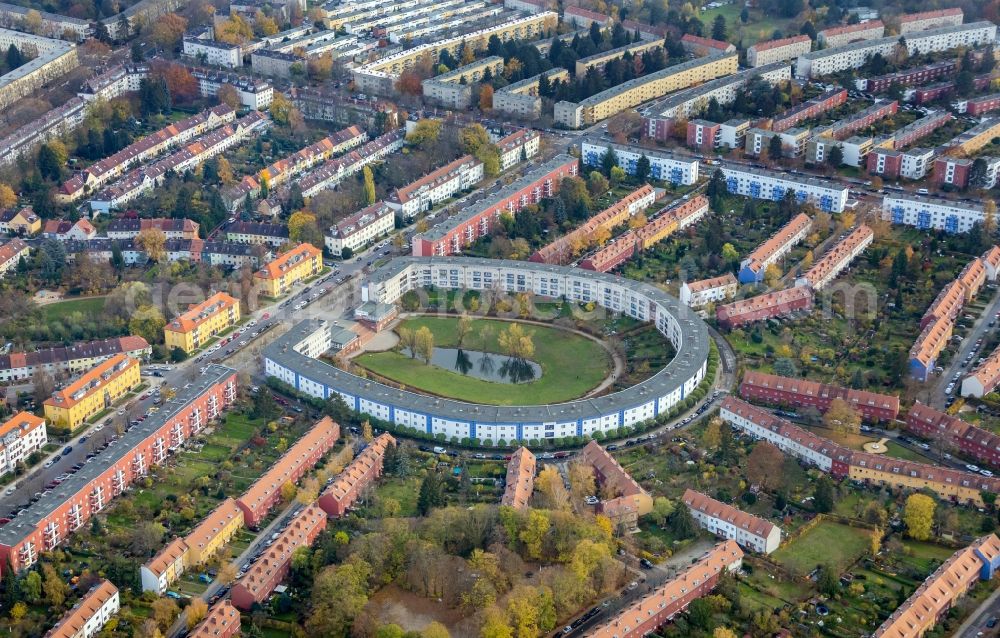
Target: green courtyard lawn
<point x="571" y="365"/>
<point x="62" y="309"/>
<point x="828" y="543"/>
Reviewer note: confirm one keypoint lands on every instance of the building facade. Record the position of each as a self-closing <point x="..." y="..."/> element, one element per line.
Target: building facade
<point x="722" y="519"/>
<point x="93" y="392"/>
<point x="278" y="276"/>
<point x="358" y="476"/>
<point x="191" y="330"/>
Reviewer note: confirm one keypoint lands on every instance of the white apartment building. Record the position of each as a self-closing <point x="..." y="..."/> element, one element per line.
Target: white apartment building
<point x="454" y="89"/>
<point x="255" y="94"/>
<point x="792" y="440"/>
<point x="21" y="435"/>
<point x="701" y="293"/>
<point x="916" y="163"/>
<point x="361" y="229"/>
<point x="732" y="133"/>
<point x="839" y="36"/>
<point x="436" y="186"/>
<point x="663" y="165"/>
<point x="88" y="617"/>
<point x="793" y="141"/>
<point x="214" y="53"/>
<point x="931" y="212"/>
<point x="521" y="144"/>
<point x="764" y="184"/>
<point x="764" y="53"/>
<point x="747" y="530"/>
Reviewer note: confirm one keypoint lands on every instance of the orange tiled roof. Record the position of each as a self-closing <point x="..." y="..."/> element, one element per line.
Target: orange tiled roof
<point x="75" y="619"/>
<point x="167" y="556"/>
<point x="200" y="313"/>
<point x="782" y="42"/>
<point x="21" y="421"/>
<point x="930" y="15"/>
<point x="91" y="381"/>
<point x="212" y="524"/>
<point x="853" y="28"/>
<point x="279" y="265"/>
<point x="360" y="466"/>
<point x="520" y="479"/>
<point x="722" y="511"/>
<point x="712" y="282"/>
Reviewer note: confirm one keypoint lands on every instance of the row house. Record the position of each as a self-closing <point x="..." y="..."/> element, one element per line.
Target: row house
<point x="520" y="480"/>
<point x="212" y="534"/>
<point x="749" y="531"/>
<point x="11" y="254"/>
<point x="628" y="500"/>
<point x="191" y="330"/>
<point x="52" y="124"/>
<point x="869" y="469"/>
<point x="709" y="291"/>
<point x="66" y="230"/>
<point x="801" y="393"/>
<point x="360" y="230"/>
<point x="908" y="77"/>
<point x="70" y="360"/>
<point x="114" y="166"/>
<point x="651" y="611"/>
<point x="278" y="276"/>
<point x="984" y="379"/>
<point x="265" y="492"/>
<point x="468" y="225"/>
<point x="969" y="142"/>
<point x="20" y="436"/>
<point x="222" y="621"/>
<point x="357" y="477"/>
<point x="437" y="186"/>
<point x="811" y="108"/>
<point x="837" y="259"/>
<point x="931" y="341"/>
<point x="780" y="50"/>
<point x="267" y="572"/>
<point x="703" y="47"/>
<point x="943" y="589"/>
<point x="46" y="523"/>
<point x="771" y="305"/>
<point x="93" y="392"/>
<point x="975" y="442"/>
<point x="90" y="614"/>
<point x="946" y="305"/>
<point x="165" y="568"/>
<point x="752" y="268"/>
<point x="845" y="128"/>
<point x="561" y="250"/>
<point x="172" y="228"/>
<point x="145" y="178"/>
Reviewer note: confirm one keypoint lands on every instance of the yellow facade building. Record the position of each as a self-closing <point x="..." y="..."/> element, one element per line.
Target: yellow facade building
<point x="213" y="533"/>
<point x="201" y="322"/>
<point x="278" y="276"/>
<point x="93" y="392"/>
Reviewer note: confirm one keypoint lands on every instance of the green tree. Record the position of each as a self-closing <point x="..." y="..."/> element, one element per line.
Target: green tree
<point x="681" y="523"/>
<point x="431" y="493"/>
<point x="339" y="594"/>
<point x="823" y="497"/>
<point x="642" y="168"/>
<point x="829" y="582"/>
<point x="719" y="28"/>
<point x="836" y="156"/>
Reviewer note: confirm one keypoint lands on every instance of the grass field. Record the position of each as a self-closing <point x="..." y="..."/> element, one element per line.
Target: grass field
<point x="571" y="365"/>
<point x="829" y="543"/>
<point x="760" y="27"/>
<point x="62" y="309"/>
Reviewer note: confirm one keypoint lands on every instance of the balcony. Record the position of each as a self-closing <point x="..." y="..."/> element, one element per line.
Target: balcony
<point x="97" y="499"/>
<point x="51" y="536"/>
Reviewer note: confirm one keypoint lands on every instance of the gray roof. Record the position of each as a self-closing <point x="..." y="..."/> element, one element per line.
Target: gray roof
<point x="797" y="178"/>
<point x="25" y="524"/>
<point x="594" y="140"/>
<point x="692" y="352"/>
<point x="442" y="229"/>
<point x="692" y="93"/>
<point x="598" y="98"/>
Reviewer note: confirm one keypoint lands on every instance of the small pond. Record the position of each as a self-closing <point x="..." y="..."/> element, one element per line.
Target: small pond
<point x="487" y="366"/>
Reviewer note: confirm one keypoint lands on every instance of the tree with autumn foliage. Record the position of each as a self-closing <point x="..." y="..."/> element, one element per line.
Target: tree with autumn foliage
<point x="234" y="30"/>
<point x="168" y="30"/>
<point x="180" y="83"/>
<point x="409" y="83"/>
<point x="229" y="95"/>
<point x="486" y="98"/>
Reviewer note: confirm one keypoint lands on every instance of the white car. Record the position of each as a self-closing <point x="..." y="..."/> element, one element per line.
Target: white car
<point x="971" y="467"/>
<point x="10" y="490"/>
<point x="48" y="464"/>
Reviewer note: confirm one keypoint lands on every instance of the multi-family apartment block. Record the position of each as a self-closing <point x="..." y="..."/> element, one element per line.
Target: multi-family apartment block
<point x="835" y="260"/>
<point x="749" y="531"/>
<point x="793" y="141"/>
<point x="712" y="290"/>
<point x="361" y="229"/>
<point x="51" y="59"/>
<point x="194" y="328"/>
<point x="907" y="77"/>
<point x="634" y="92"/>
<point x="436" y="186"/>
<point x="214" y="52"/>
<point x="782" y="50"/>
<point x="911" y="164"/>
<point x="630" y="501"/>
<point x="760" y="183"/>
<point x="582" y="18"/>
<point x="357" y="477"/>
<point x="521" y="99"/>
<point x="943" y="589"/>
<point x="658" y="607"/>
<point x="22" y="434"/>
<point x="931" y="212"/>
<point x="93" y="392"/>
<point x="88" y="617"/>
<point x="520" y="145"/>
<point x="265" y="492"/>
<point x="910" y="22"/>
<point x="771" y="305"/>
<point x="954" y="433"/>
<point x="470" y="224"/>
<point x="599" y="60"/>
<point x="278" y="276"/>
<point x="49" y="521"/>
<point x="256" y="233"/>
<point x="801" y="393"/>
<point x="520" y="481"/>
<point x="165" y="568"/>
<point x="273" y="566"/>
<point x="70" y="360"/>
<point x="974" y="139"/>
<point x="454" y="88"/>
<point x="663" y="165"/>
<point x="839" y="36"/>
<point x="172" y="228"/>
<point x="213" y="532"/>
<point x="752" y="268"/>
